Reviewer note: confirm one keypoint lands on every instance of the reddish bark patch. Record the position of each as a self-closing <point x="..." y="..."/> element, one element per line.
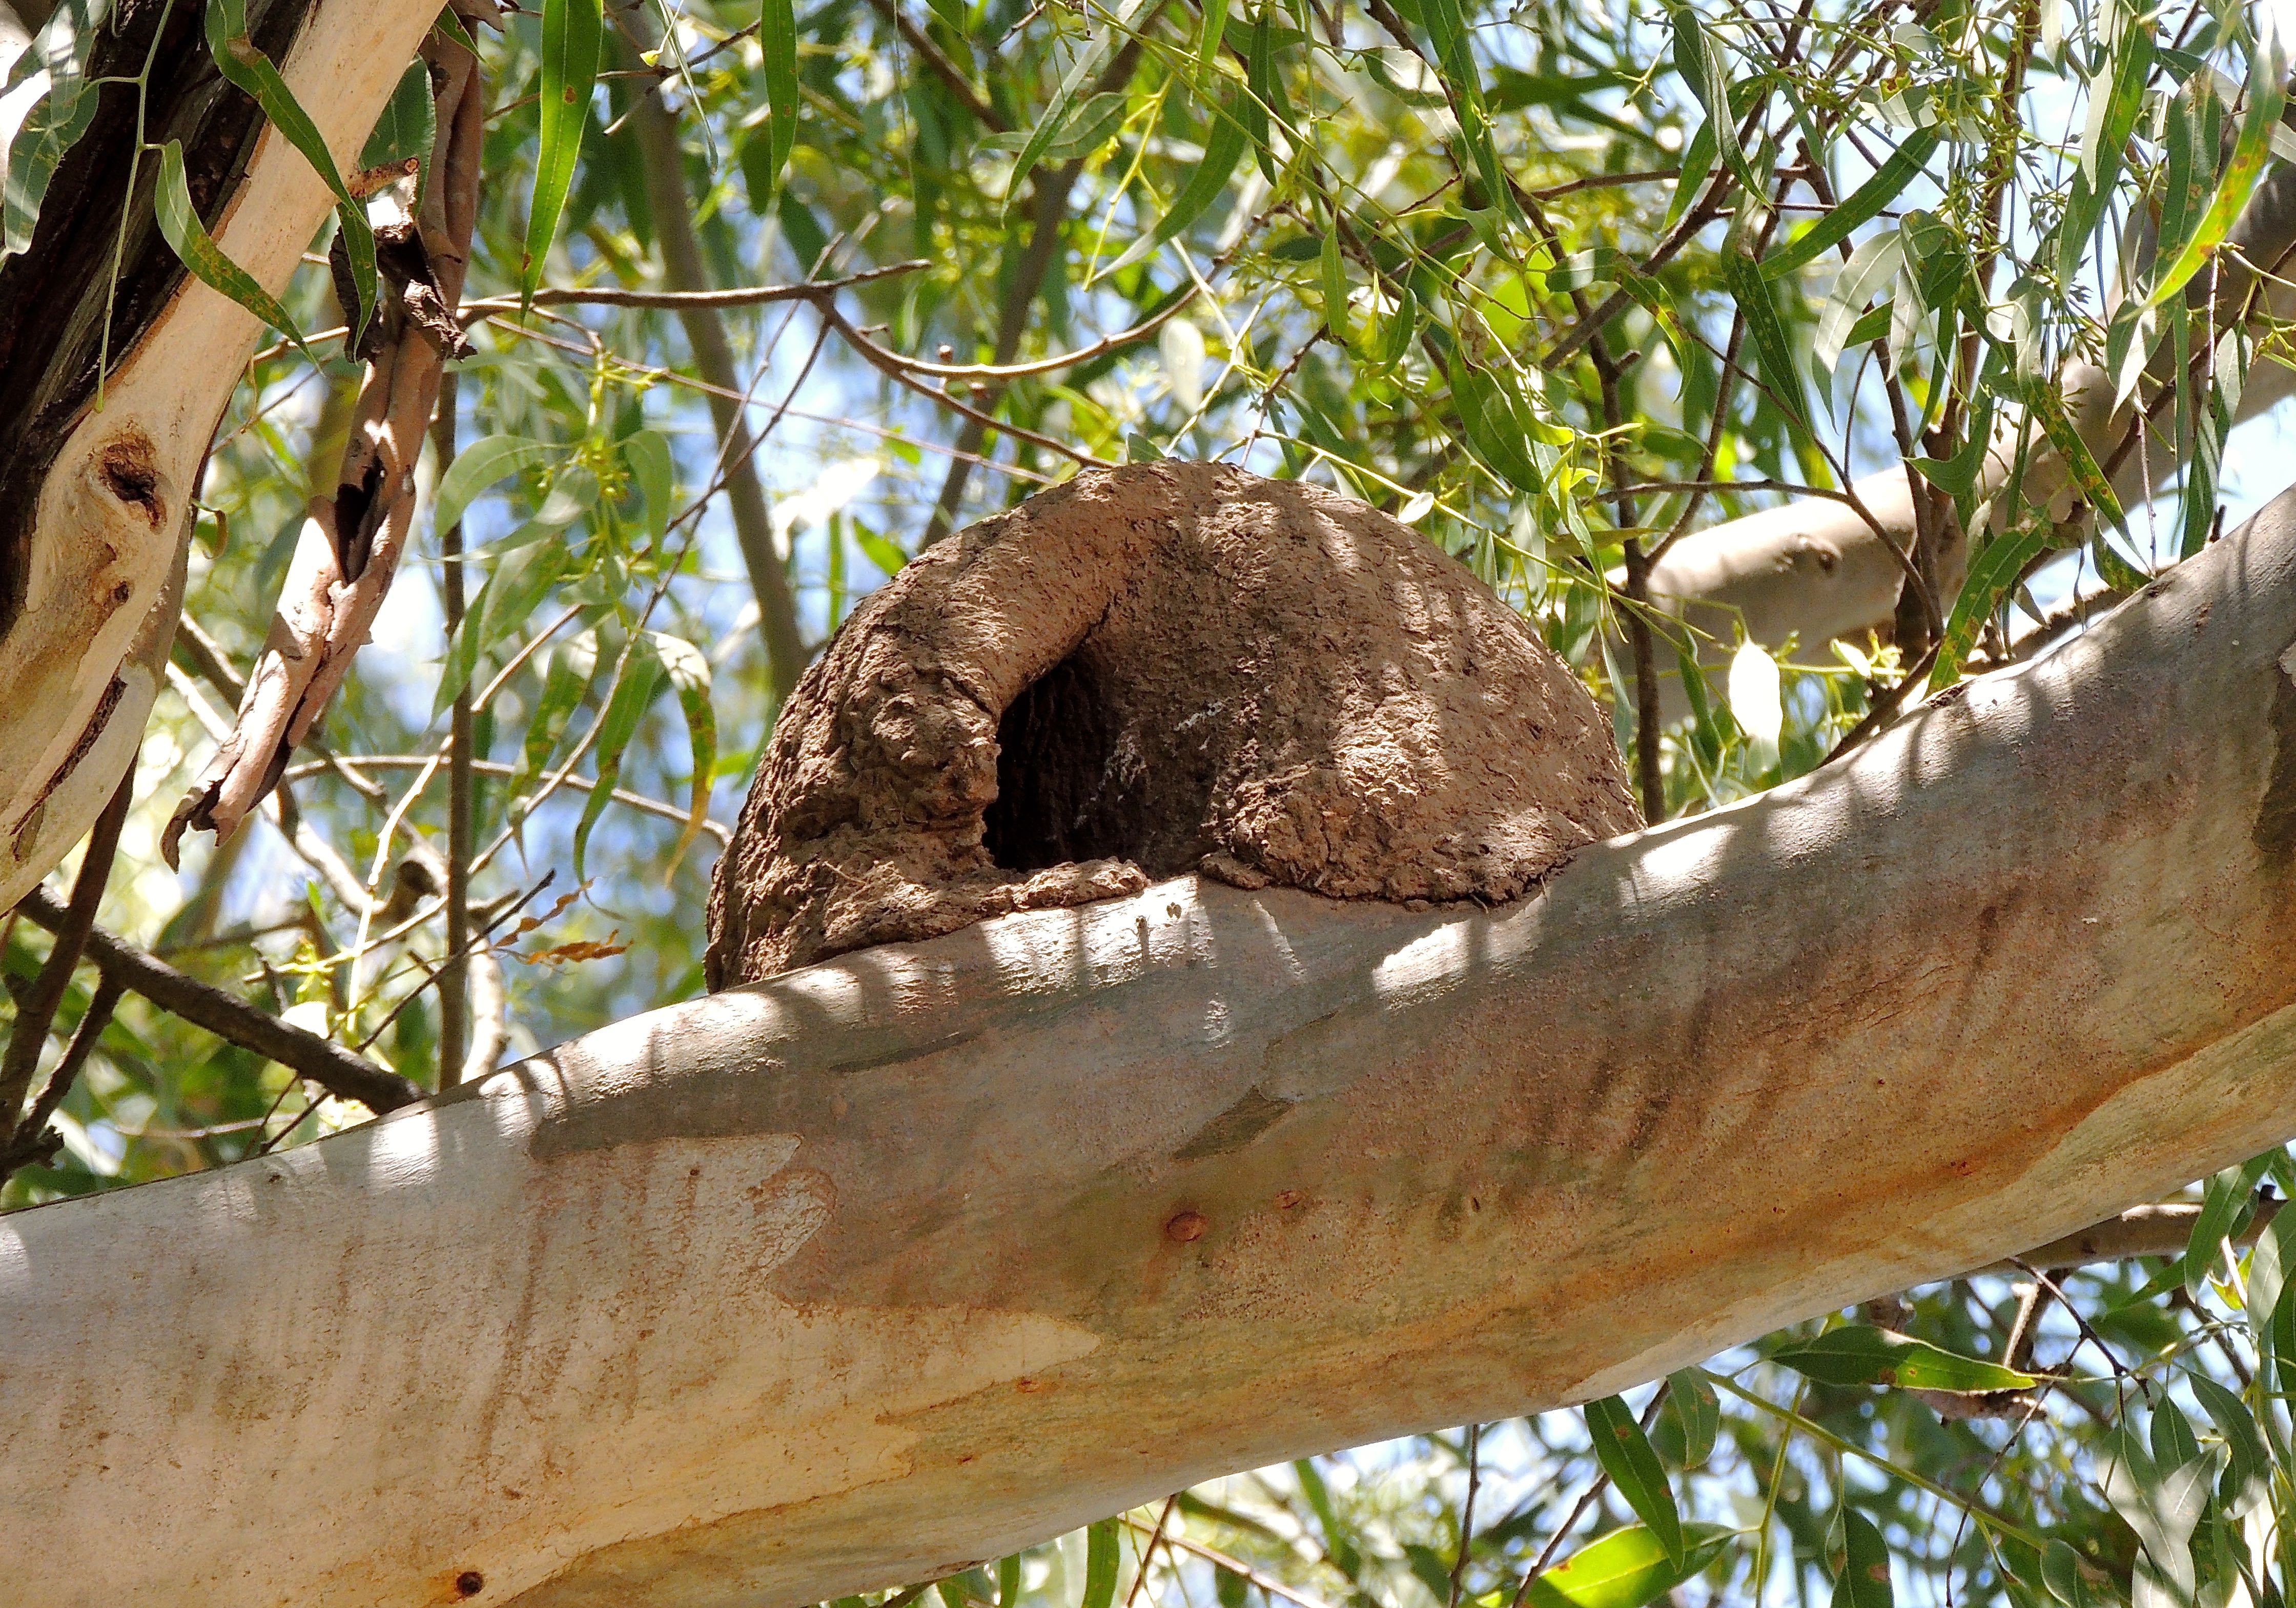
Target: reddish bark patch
<point x="1151" y="670"/>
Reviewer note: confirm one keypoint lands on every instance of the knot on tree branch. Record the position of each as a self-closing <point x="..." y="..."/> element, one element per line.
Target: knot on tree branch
<point x="1150" y="670"/>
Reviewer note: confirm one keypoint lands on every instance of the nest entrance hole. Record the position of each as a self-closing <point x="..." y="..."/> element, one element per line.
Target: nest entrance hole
<point x="1073" y="783"/>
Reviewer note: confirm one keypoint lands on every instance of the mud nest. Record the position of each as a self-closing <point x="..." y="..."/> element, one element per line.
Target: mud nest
<point x="1151" y="670"/>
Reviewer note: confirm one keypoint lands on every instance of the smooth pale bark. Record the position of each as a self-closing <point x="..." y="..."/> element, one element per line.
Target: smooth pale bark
<point x="906" y="1260"/>
<point x="83" y="659"/>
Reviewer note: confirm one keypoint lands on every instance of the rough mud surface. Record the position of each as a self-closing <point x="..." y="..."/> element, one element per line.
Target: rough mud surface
<point x="1149" y="671"/>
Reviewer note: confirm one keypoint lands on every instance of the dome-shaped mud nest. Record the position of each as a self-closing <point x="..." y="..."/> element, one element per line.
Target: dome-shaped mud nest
<point x="1150" y="670"/>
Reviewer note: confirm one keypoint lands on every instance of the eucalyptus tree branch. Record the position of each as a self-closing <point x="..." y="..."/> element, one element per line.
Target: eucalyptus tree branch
<point x="845" y="1337"/>
<point x="326" y="1064"/>
<point x="2141" y="1231"/>
<point x="1816" y="573"/>
<point x="95" y="502"/>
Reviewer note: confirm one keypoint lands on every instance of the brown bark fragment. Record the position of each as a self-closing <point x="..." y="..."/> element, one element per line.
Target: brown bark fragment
<point x="1153" y="670"/>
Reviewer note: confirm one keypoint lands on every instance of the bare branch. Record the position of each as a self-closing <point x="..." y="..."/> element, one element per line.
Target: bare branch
<point x="326" y="1064"/>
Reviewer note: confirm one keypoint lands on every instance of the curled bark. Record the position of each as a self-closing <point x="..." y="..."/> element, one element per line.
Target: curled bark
<point x="351" y="544"/>
<point x="1165" y="667"/>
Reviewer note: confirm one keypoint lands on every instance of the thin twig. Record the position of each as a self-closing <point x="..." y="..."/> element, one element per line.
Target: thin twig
<point x="38" y="1008"/>
<point x="687" y="300"/>
<point x="1467" y="1509"/>
<point x="453" y="974"/>
<point x="1148" y="1553"/>
<point x="943" y="69"/>
<point x="32" y="1144"/>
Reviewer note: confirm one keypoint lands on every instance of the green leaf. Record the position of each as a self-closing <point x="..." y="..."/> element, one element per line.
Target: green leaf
<point x="2268" y="1267"/>
<point x="1008" y="1581"/>
<point x="2194" y="120"/>
<point x="1626" y="1569"/>
<point x="1224" y="145"/>
<point x="1874" y="266"/>
<point x="573" y="493"/>
<point x="2087" y="479"/>
<point x="573" y="668"/>
<point x="1493" y="432"/>
<point x="2223" y="1204"/>
<point x="1088" y="127"/>
<point x="2248" y="1478"/>
<point x="1455" y="63"/>
<point x="1704" y="67"/>
<point x="625" y="706"/>
<point x="1210" y="37"/>
<point x="409" y="124"/>
<point x="689" y="675"/>
<point x="881" y="551"/>
<point x="646" y="453"/>
<point x="572" y="32"/>
<point x="1336" y="1542"/>
<point x="509" y="599"/>
<point x="778" y="38"/>
<point x="1861" y="206"/>
<point x="1626" y="1455"/>
<point x="2063" y="1574"/>
<point x="239" y="61"/>
<point x="1958" y="475"/>
<point x="451" y="25"/>
<point x="1100" y="42"/>
<point x="1689" y="1397"/>
<point x="480" y="465"/>
<point x="1099" y="1558"/>
<point x="53" y="123"/>
<point x="180" y="226"/>
<point x="2163" y="1508"/>
<point x="1264" y="90"/>
<point x="1990" y="576"/>
<point x="1863" y="1354"/>
<point x="2268" y="72"/>
<point x="1863" y="1581"/>
<point x="1752" y="293"/>
<point x="1597" y="264"/>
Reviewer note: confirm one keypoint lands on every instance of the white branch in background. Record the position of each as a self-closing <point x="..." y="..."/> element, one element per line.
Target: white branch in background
<point x="1815" y="570"/>
<point x="81" y="661"/>
<point x="913" y="1258"/>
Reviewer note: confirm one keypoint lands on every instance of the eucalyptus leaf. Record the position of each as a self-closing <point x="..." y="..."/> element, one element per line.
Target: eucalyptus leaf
<point x="1863" y="1354"/>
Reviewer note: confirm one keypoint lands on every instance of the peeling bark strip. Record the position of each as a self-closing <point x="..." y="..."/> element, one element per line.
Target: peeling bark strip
<point x="351" y="543"/>
<point x="933" y="1252"/>
<point x="1153" y="670"/>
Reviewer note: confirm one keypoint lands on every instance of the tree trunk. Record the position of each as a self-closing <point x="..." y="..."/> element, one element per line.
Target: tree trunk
<point x="95" y="506"/>
<point x="906" y="1259"/>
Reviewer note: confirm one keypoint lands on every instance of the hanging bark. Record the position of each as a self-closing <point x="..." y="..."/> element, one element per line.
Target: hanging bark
<point x="907" y="1260"/>
<point x="351" y="543"/>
